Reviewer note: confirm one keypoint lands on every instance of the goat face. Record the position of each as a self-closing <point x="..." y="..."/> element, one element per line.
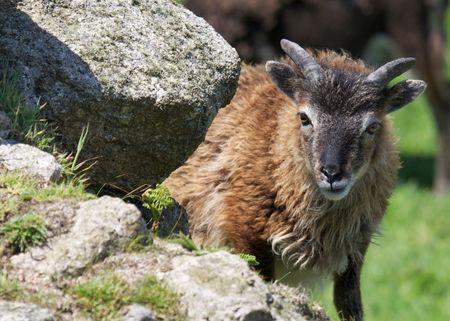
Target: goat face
<point x="340" y="124"/>
<point x="341" y="113"/>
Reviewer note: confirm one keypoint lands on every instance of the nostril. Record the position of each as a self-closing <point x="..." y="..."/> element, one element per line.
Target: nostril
<point x="332" y="172"/>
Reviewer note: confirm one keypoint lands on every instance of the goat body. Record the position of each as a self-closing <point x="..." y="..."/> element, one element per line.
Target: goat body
<point x="248" y="186"/>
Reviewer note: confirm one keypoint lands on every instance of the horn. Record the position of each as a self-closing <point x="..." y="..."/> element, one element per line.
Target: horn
<point x="384" y="74"/>
<point x="309" y="67"/>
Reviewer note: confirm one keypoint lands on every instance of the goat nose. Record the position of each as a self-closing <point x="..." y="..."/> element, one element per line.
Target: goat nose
<point x="332" y="172"/>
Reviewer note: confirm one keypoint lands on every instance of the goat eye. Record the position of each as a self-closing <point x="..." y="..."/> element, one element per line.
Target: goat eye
<point x="373" y="128"/>
<point x="305" y="119"/>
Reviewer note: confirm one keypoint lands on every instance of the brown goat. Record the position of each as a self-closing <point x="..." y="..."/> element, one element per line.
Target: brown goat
<point x="297" y="169"/>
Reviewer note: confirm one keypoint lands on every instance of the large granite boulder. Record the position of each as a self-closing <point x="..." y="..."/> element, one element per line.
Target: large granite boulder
<point x="146" y="76"/>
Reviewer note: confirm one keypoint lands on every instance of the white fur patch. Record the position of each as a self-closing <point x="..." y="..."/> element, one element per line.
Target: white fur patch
<point x="309" y="279"/>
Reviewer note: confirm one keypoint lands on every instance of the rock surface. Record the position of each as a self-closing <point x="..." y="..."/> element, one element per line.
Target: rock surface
<point x="147" y="76"/>
<point x="136" y="312"/>
<point x="100" y="228"/>
<point x="215" y="286"/>
<point x="5" y="125"/>
<point x="17" y="311"/>
<point x="229" y="290"/>
<point x="31" y="160"/>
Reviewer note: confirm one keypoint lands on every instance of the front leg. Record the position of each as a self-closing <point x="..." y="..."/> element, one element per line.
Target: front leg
<point x="347" y="293"/>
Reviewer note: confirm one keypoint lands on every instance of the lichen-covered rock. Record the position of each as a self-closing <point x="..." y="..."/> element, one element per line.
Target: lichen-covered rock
<point x="230" y="291"/>
<point x="223" y="283"/>
<point x="217" y="286"/>
<point x="101" y="227"/>
<point x="29" y="159"/>
<point x="17" y="311"/>
<point x="147" y="76"/>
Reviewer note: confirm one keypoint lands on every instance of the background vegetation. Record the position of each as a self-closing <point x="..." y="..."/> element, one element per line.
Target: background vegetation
<point x="405" y="276"/>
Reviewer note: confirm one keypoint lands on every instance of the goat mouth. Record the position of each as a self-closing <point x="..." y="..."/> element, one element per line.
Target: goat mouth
<point x="335" y="191"/>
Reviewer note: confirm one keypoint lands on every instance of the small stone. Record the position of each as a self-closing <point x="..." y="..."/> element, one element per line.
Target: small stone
<point x="269" y="298"/>
<point x="173" y="220"/>
<point x="31" y="160"/>
<point x="136" y="312"/>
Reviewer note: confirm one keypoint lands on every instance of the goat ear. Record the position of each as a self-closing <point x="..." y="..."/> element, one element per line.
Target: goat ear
<point x="403" y="93"/>
<point x="283" y="76"/>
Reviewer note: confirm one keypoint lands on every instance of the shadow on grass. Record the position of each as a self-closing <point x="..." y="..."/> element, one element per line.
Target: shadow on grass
<point x="417" y="168"/>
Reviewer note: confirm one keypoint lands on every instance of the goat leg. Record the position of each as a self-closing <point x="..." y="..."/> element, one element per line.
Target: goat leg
<point x="347" y="293"/>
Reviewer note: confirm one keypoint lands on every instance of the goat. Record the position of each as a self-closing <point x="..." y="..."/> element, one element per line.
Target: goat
<point x="298" y="168"/>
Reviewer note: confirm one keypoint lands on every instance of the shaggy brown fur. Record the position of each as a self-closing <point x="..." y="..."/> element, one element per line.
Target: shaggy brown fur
<point x="247" y="186"/>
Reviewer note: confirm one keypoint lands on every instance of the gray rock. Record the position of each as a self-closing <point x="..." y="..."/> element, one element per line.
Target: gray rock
<point x="17" y="311"/>
<point x="101" y="227"/>
<point x="218" y="286"/>
<point x="5" y="125"/>
<point x="174" y="220"/>
<point x="31" y="160"/>
<point x="136" y="312"/>
<point x="227" y="289"/>
<point x="147" y="76"/>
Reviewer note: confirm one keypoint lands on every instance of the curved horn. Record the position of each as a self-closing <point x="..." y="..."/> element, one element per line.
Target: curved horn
<point x="384" y="74"/>
<point x="309" y="67"/>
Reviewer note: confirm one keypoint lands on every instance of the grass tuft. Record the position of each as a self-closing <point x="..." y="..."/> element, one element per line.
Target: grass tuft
<point x="140" y="243"/>
<point x="9" y="289"/>
<point x="12" y="102"/>
<point x="23" y="232"/>
<point x="102" y="298"/>
<point x="28" y="189"/>
<point x="187" y="243"/>
<point x="162" y="301"/>
<point x="30" y="128"/>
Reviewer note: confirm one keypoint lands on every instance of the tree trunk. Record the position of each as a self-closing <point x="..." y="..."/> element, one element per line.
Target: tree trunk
<point x="439" y="93"/>
<point x="441" y="183"/>
<point x="422" y="35"/>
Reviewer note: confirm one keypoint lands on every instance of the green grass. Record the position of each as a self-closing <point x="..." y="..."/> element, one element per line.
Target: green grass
<point x="23" y="232"/>
<point x="20" y="229"/>
<point x="9" y="205"/>
<point x="29" y="189"/>
<point x="27" y="126"/>
<point x="187" y="243"/>
<point x="250" y="259"/>
<point x="163" y="302"/>
<point x="405" y="276"/>
<point x="103" y="297"/>
<point x="9" y="289"/>
<point x="30" y="128"/>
